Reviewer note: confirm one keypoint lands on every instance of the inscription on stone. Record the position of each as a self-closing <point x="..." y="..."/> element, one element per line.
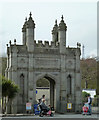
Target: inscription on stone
<point x="47" y="63"/>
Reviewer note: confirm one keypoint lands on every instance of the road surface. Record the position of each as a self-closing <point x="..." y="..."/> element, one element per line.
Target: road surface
<point x="56" y="117"/>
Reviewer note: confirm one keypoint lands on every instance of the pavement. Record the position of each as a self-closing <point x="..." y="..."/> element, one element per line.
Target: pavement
<point x="55" y="117"/>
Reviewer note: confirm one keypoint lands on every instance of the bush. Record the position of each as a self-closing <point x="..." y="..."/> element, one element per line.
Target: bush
<point x="84" y="97"/>
<point x="95" y="100"/>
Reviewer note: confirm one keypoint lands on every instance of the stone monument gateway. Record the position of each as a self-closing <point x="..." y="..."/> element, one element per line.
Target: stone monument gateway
<point x="34" y="60"/>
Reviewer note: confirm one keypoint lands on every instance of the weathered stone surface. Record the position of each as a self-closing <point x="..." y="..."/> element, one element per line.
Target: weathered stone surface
<point x="32" y="61"/>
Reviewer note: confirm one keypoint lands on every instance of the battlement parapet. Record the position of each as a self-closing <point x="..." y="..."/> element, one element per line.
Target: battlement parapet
<point x="16" y="49"/>
<point x="73" y="51"/>
<point x="46" y="44"/>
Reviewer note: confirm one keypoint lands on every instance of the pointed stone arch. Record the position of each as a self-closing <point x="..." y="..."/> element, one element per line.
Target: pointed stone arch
<point x="53" y="61"/>
<point x="52" y="79"/>
<point x="46" y="75"/>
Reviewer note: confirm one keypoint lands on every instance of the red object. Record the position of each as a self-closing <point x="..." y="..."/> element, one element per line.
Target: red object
<point x="49" y="112"/>
<point x="85" y="109"/>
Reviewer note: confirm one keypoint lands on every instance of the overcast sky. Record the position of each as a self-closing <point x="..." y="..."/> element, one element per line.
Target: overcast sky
<point x="80" y="18"/>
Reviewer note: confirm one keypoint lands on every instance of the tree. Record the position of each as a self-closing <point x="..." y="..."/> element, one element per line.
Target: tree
<point x="43" y="83"/>
<point x="13" y="90"/>
<point x="98" y="79"/>
<point x="84" y="97"/>
<point x="5" y="85"/>
<point x="9" y="91"/>
<point x="89" y="73"/>
<point x="95" y="101"/>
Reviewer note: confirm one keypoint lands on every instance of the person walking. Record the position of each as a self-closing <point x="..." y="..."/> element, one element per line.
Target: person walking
<point x="40" y="100"/>
<point x="89" y="102"/>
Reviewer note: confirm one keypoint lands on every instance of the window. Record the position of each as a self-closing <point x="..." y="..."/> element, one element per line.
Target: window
<point x="22" y="84"/>
<point x="69" y="84"/>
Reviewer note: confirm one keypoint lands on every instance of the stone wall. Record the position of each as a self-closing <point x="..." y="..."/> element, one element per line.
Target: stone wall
<point x="34" y="60"/>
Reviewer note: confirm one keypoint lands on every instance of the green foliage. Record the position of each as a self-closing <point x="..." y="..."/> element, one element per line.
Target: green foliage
<point x="13" y="90"/>
<point x="9" y="91"/>
<point x="84" y="97"/>
<point x="95" y="96"/>
<point x="0" y="86"/>
<point x="43" y="83"/>
<point x="97" y="78"/>
<point x="9" y="88"/>
<point x="95" y="101"/>
<point x="85" y="94"/>
<point x="89" y="73"/>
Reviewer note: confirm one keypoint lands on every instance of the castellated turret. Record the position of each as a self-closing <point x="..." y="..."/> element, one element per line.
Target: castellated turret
<point x="59" y="35"/>
<point x="24" y="33"/>
<point x="62" y="35"/>
<point x="55" y="33"/>
<point x="28" y="33"/>
<point x="34" y="59"/>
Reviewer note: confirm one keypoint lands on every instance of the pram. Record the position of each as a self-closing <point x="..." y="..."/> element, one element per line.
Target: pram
<point x="85" y="109"/>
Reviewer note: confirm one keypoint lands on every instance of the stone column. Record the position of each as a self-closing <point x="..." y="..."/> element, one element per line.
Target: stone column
<point x="62" y="43"/>
<point x="14" y="77"/>
<point x="51" y="94"/>
<point x="24" y="36"/>
<point x="57" y="87"/>
<point x="30" y="39"/>
<point x="78" y="101"/>
<point x="30" y="25"/>
<point x="6" y="71"/>
<point x="25" y="87"/>
<point x="63" y="85"/>
<point x="31" y="82"/>
<point x="73" y="92"/>
<point x="55" y="33"/>
<point x="9" y="76"/>
<point x="10" y="68"/>
<point x="62" y="36"/>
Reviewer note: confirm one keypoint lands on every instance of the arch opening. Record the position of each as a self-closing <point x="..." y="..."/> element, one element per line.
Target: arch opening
<point x="46" y="86"/>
